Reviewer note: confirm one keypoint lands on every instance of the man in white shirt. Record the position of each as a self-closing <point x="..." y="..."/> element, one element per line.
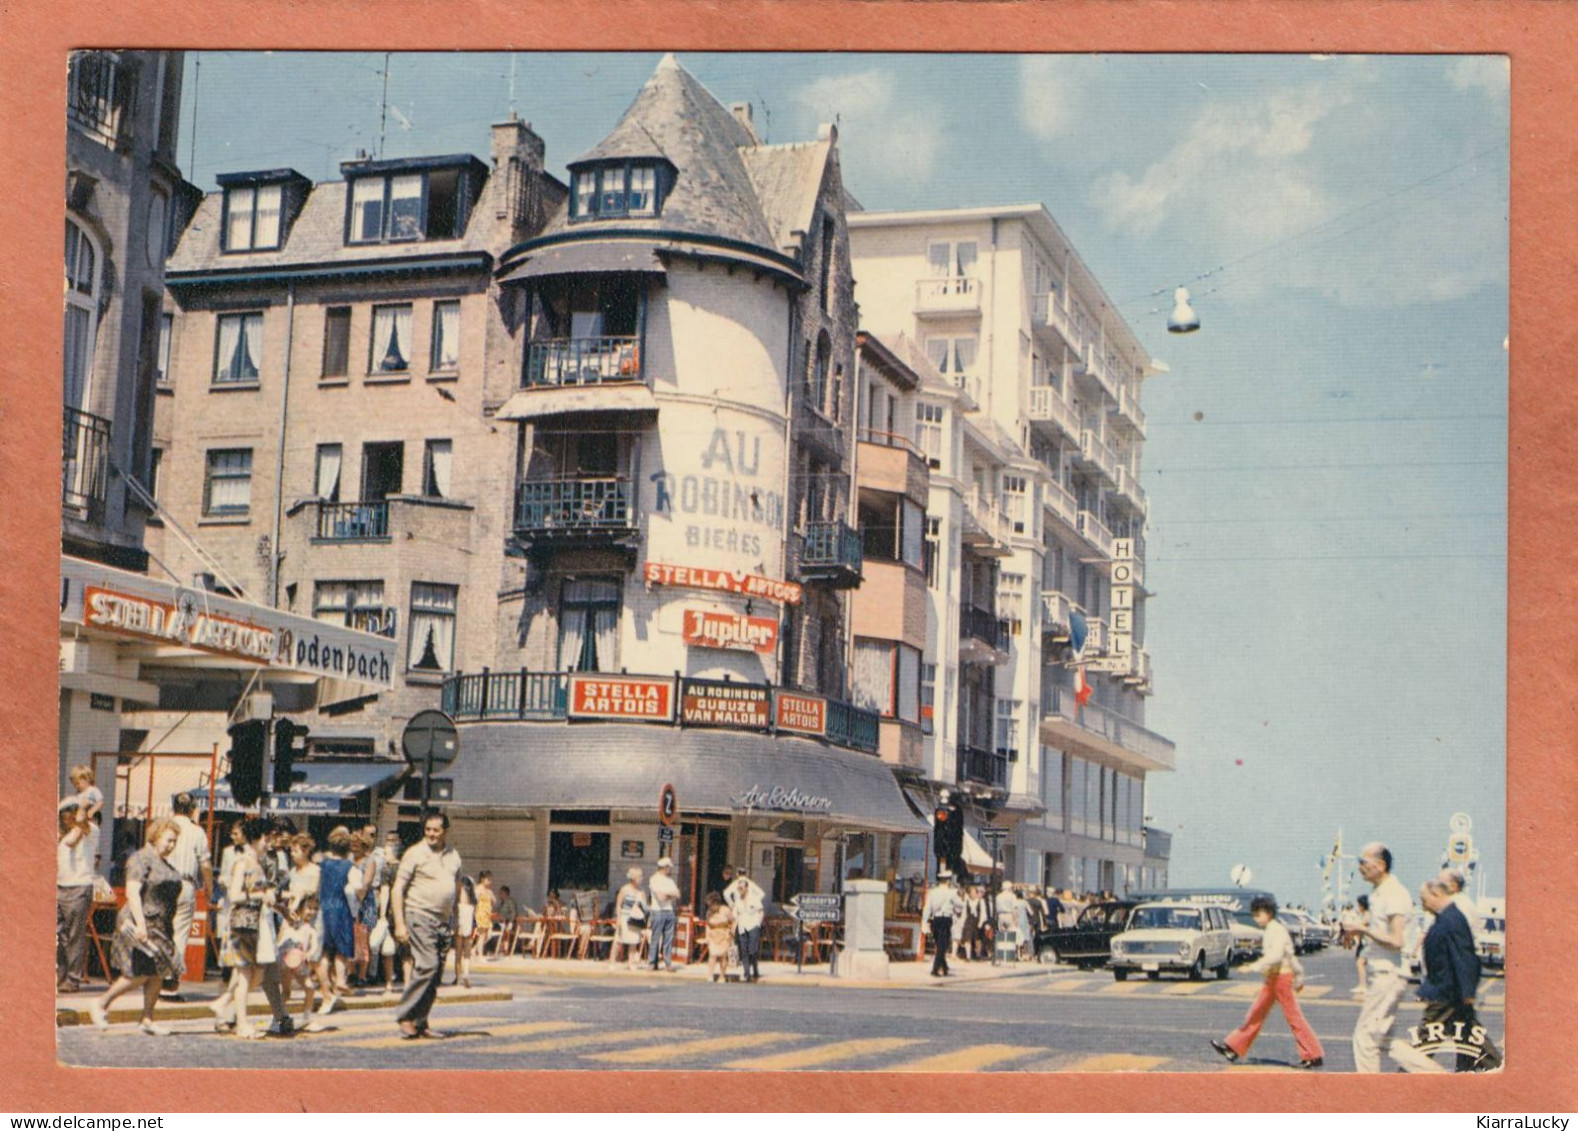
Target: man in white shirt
<point x="73" y="895"/>
<point x="942" y="906"/>
<point x="1390" y="909"/>
<point x="1279" y="962"/>
<point x="425" y="890"/>
<point x="191" y="859"/>
<point x="749" y="904"/>
<point x="664" y="905"/>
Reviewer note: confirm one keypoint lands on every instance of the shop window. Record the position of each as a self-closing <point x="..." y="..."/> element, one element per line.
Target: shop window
<point x="432" y="644"/>
<point x="577" y="862"/>
<point x="589" y="626"/>
<point x="227" y="483"/>
<point x="238" y="351"/>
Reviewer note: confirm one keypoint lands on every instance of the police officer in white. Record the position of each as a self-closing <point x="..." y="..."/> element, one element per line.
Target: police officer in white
<point x="943" y="905"/>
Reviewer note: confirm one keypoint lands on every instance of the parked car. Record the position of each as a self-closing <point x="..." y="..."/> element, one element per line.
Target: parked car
<point x="1249" y="938"/>
<point x="1089" y="941"/>
<point x="1295" y="926"/>
<point x="1187" y="937"/>
<point x="1493" y="942"/>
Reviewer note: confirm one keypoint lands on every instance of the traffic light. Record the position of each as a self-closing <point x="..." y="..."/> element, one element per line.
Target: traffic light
<point x="248" y="744"/>
<point x="949" y="843"/>
<point x="287" y="737"/>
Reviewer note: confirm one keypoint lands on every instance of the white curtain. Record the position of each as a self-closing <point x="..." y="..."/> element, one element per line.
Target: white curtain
<point x="239" y="347"/>
<point x="230" y="481"/>
<point x="438" y="459"/>
<point x="938" y="256"/>
<point x="572" y="637"/>
<point x="266" y="233"/>
<point x="909" y="684"/>
<point x="913" y="533"/>
<point x="604" y="636"/>
<point x="240" y="203"/>
<point x="937" y="353"/>
<point x="446" y="335"/>
<point x="229" y="333"/>
<point x="391" y="338"/>
<point x="432" y="643"/>
<point x="963" y="354"/>
<point x="871" y="682"/>
<point x="328" y="486"/>
<point x="367" y="208"/>
<point x="588" y="625"/>
<point x="964" y="261"/>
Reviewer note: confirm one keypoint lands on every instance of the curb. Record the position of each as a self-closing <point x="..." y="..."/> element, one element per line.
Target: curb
<point x="198" y="1010"/>
<point x="597" y="971"/>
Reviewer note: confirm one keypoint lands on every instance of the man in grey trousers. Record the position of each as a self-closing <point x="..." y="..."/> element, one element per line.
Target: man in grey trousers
<point x="426" y="886"/>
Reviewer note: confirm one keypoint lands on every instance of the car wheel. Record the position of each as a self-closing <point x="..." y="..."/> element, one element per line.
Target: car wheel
<point x="1197" y="971"/>
<point x="1047" y="956"/>
<point x="1120" y="974"/>
<point x="1222" y="972"/>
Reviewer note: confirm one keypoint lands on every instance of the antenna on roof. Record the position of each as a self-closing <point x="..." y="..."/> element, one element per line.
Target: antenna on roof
<point x="383" y="110"/>
<point x="512" y="86"/>
<point x="767" y="118"/>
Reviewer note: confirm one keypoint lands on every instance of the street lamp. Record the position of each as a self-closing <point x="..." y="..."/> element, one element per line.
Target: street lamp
<point x="1183" y="319"/>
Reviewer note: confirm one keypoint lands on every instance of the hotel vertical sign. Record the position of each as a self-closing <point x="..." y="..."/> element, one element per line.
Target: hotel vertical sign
<point x="1120" y="631"/>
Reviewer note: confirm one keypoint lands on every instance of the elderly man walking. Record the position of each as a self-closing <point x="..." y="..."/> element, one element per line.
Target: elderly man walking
<point x="422" y="898"/>
<point x="1451" y="981"/>
<point x="192" y="860"/>
<point x="1390" y="908"/>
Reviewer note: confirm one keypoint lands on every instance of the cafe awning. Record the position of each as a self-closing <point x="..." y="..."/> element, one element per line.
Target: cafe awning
<point x="561" y="400"/>
<point x="622" y="766"/>
<point x="326" y="786"/>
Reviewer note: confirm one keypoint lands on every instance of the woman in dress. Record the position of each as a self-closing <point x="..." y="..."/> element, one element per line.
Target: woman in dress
<point x="144" y="946"/>
<point x="222" y="1005"/>
<point x="338" y="922"/>
<point x="249" y="890"/>
<point x="364" y="866"/>
<point x="465" y="930"/>
<point x="970" y="933"/>
<point x="484" y="913"/>
<point x="720" y="928"/>
<point x="630" y="916"/>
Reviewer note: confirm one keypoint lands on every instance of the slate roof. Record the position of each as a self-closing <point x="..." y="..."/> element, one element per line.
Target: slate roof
<point x="788" y="180"/>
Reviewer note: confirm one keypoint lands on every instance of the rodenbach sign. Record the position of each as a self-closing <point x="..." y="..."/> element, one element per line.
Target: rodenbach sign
<point x="727" y="581"/>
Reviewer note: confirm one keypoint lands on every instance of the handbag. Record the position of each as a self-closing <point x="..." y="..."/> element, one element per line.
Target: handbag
<point x="246" y="916"/>
<point x="378" y="936"/>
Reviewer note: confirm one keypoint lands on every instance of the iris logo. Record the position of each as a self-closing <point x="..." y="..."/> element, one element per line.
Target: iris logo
<point x="1456" y="1037"/>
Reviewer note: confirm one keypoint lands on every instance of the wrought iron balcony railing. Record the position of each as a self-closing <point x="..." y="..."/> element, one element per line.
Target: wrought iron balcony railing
<point x="831" y="551"/>
<point x="353" y="522"/>
<point x="579" y="505"/>
<point x="983" y="625"/>
<point x="84" y="465"/>
<point x="582" y="361"/>
<point x="986" y="767"/>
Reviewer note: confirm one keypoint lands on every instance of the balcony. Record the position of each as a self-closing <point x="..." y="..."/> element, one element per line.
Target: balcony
<point x="1097" y="456"/>
<point x="1049" y="409"/>
<point x="84" y="466"/>
<point x="983" y="636"/>
<point x="1128" y="490"/>
<point x="986" y="528"/>
<point x="562" y="362"/>
<point x="830" y="555"/>
<point x="1091" y="529"/>
<point x="1095" y="728"/>
<point x="1061" y="501"/>
<point x="1093" y="364"/>
<point x="1128" y="411"/>
<point x="1138" y="677"/>
<point x="1048" y="317"/>
<point x="1095" y="636"/>
<point x="983" y="767"/>
<point x="892" y="463"/>
<point x="1056" y="615"/>
<point x="353" y="522"/>
<point x="947" y="294"/>
<point x="576" y="508"/>
<point x="544" y="697"/>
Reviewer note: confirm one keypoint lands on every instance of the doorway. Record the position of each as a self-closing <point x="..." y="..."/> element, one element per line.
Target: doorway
<point x="577" y="861"/>
<point x="704" y="852"/>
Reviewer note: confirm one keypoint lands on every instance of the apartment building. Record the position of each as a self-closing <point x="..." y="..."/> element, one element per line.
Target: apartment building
<point x="1039" y="522"/>
<point x="584" y="455"/>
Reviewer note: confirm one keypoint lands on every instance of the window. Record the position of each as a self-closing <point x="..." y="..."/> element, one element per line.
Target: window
<point x="589" y="626"/>
<point x="928" y="432"/>
<point x="622" y="189"/>
<point x="383" y="470"/>
<point x="355" y="604"/>
<point x="155" y="465"/>
<point x="432" y="645"/>
<point x="886" y="678"/>
<point x="1011" y="599"/>
<point x="252" y="215"/>
<point x="1052" y="785"/>
<point x="1014" y="501"/>
<point x="391" y="343"/>
<point x="1076" y="795"/>
<point x="928" y="696"/>
<point x="953" y="261"/>
<point x="435" y="469"/>
<point x="892" y="529"/>
<point x="162" y="373"/>
<point x="933" y="549"/>
<point x="336" y="341"/>
<point x="1008" y="727"/>
<point x="952" y="355"/>
<point x="227" y="486"/>
<point x="326" y="473"/>
<point x="829" y="231"/>
<point x="100" y="89"/>
<point x="445" y="355"/>
<point x="81" y="314"/>
<point x="238" y="353"/>
<point x="816" y="379"/>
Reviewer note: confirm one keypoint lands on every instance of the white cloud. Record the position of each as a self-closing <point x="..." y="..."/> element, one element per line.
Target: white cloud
<point x="1489" y="73"/>
<point x="884" y="143"/>
<point x="1047" y="96"/>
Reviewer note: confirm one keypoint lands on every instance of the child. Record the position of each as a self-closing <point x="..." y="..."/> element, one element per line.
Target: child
<point x="298" y="940"/>
<point x="720" y="924"/>
<point x="1284" y="978"/>
<point x="89" y="796"/>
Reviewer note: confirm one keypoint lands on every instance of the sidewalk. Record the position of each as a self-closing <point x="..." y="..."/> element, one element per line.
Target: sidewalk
<point x="72" y="1009"/>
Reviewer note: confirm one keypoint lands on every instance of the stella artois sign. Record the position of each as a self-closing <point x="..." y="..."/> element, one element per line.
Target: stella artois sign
<point x="632" y="698"/>
<point x="724" y="581"/>
<point x="733" y="631"/>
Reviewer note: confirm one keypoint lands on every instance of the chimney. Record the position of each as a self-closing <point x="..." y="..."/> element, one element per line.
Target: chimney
<point x="743" y="115"/>
<point x="517" y="164"/>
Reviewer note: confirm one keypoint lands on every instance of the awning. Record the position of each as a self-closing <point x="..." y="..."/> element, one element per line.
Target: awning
<point x="559" y="400"/>
<point x="327" y="784"/>
<point x="589" y="257"/>
<point x="620" y="766"/>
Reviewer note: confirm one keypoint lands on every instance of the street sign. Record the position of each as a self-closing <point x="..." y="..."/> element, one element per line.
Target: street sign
<point x="1240" y="875"/>
<point x="668" y="805"/>
<point x="1460" y="848"/>
<point x="993" y="835"/>
<point x="820" y="907"/>
<point x="665" y="835"/>
<point x="430" y="734"/>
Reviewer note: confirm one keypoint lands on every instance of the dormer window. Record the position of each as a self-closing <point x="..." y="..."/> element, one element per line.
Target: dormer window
<point x="425" y="205"/>
<point x="613" y="190"/>
<point x="252" y="217"/>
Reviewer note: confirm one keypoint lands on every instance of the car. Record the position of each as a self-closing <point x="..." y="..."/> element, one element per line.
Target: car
<point x="1493" y="942"/>
<point x="1249" y="938"/>
<point x="1089" y="941"/>
<point x="1296" y="930"/>
<point x="1187" y="937"/>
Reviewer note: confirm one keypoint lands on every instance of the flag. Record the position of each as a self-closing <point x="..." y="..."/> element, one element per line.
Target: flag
<point x="1078" y="632"/>
<point x="1082" y="689"/>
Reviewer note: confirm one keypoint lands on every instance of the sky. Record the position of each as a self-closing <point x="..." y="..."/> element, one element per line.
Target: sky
<point x="1326" y="461"/>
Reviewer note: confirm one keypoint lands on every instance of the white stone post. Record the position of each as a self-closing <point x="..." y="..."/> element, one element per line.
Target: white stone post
<point x="865" y="911"/>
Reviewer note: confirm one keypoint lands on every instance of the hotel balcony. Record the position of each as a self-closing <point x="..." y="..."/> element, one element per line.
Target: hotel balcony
<point x="1128" y="412"/>
<point x="1056" y="615"/>
<point x="1053" y="324"/>
<point x="986" y="529"/>
<point x="1096" y="456"/>
<point x="1138" y="676"/>
<point x="1091" y="529"/>
<point x="830" y="555"/>
<point x="1094" y="366"/>
<point x="84" y="466"/>
<point x="1068" y="726"/>
<point x="575" y="509"/>
<point x="983" y="636"/>
<point x="1053" y="413"/>
<point x="947" y="295"/>
<point x="1128" y="490"/>
<point x="1061" y="501"/>
<point x="982" y="767"/>
<point x="582" y="361"/>
<point x="1096" y="636"/>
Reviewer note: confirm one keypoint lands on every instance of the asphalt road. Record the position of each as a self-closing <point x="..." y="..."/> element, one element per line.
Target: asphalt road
<point x="1057" y="1020"/>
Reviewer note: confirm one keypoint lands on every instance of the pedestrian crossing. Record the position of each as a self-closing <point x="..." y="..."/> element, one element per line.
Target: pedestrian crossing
<point x="1492" y="998"/>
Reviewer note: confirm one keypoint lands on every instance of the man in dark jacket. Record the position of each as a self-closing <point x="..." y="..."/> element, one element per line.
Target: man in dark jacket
<point x="1450" y="982"/>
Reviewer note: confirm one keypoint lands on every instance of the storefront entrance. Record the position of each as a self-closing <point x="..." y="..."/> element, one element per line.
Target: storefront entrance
<point x="704" y="852"/>
<point x="577" y="861"/>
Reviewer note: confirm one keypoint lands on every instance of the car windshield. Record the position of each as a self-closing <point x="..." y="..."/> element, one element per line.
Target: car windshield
<point x="1165" y="918"/>
<point x="1246" y="919"/>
